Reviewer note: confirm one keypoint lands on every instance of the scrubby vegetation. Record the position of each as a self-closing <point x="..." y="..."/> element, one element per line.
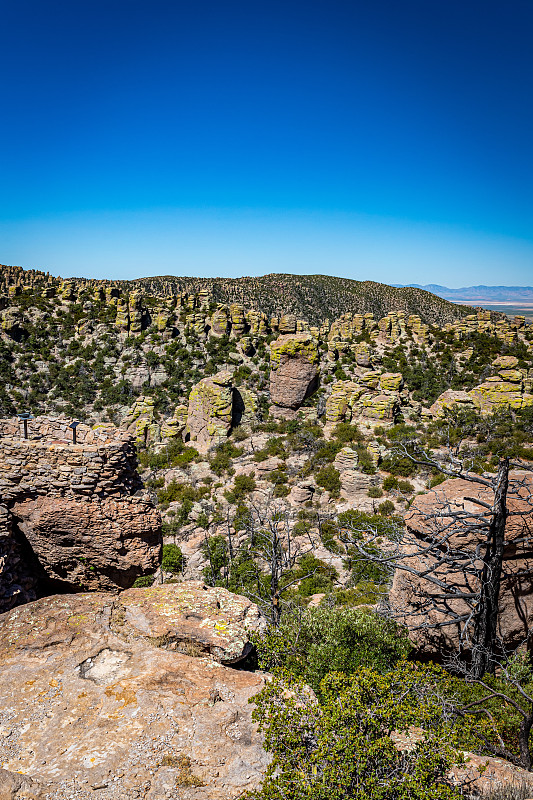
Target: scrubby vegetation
<point x="300" y="509"/>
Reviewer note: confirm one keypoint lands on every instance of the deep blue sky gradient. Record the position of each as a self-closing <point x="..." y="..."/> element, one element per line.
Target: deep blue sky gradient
<point x="384" y="140"/>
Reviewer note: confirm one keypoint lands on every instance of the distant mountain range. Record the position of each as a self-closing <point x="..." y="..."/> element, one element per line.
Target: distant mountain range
<point x="471" y="294"/>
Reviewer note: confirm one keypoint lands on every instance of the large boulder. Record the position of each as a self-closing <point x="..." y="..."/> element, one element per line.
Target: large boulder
<point x="209" y="620"/>
<point x="96" y="544"/>
<point x="429" y="516"/>
<point x="73" y="515"/>
<point x="293" y="370"/>
<point x="373" y="396"/>
<point x="210" y="411"/>
<point x="94" y="698"/>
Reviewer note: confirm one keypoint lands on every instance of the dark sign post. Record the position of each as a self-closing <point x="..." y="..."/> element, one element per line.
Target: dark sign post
<point x="74" y="425"/>
<point x="25" y="416"/>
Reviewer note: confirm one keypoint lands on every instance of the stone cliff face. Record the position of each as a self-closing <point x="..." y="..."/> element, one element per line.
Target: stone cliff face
<point x="72" y="516"/>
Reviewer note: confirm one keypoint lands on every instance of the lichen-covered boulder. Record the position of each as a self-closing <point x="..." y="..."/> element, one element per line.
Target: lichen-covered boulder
<point x="140" y="421"/>
<point x="347" y="458"/>
<point x="379" y="406"/>
<point x="293" y="369"/>
<point x="245" y="405"/>
<point x="13" y="323"/>
<point x="448" y="400"/>
<point x="287" y="324"/>
<point x="210" y="410"/>
<point x="187" y="615"/>
<point x="122" y="320"/>
<point x="98" y="699"/>
<point x="220" y="321"/>
<point x="501" y="391"/>
<point x="176" y="424"/>
<point x="391" y="381"/>
<point x="341" y="400"/>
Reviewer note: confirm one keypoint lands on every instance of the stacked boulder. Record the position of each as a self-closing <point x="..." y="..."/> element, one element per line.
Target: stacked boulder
<point x="73" y="515"/>
<point x="294" y="372"/>
<point x="371" y="398"/>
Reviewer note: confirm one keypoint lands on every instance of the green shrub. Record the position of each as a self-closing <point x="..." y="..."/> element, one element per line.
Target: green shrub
<point x="143" y="581"/>
<point x="311" y="642"/>
<point x="390" y="482"/>
<point x="242" y="486"/>
<point x="329" y="478"/>
<point x="375" y="491"/>
<point x="406" y="487"/>
<point x="316" y="576"/>
<point x="172" y="558"/>
<point x="399" y="465"/>
<point x="215" y="550"/>
<point x="386" y="508"/>
<point x="340" y="747"/>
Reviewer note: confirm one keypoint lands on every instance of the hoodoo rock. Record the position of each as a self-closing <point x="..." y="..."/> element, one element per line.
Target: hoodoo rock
<point x="293" y="371"/>
<point x="210" y="411"/>
<point x="96" y="696"/>
<point x="73" y="514"/>
<point x="409" y="593"/>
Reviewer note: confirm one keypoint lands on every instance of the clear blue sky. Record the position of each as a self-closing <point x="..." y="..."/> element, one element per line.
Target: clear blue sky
<point x="376" y="140"/>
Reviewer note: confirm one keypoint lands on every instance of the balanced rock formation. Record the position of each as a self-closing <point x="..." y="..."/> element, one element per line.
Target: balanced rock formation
<point x="293" y="371"/>
<point x="409" y="594"/>
<point x="95" y="696"/>
<point x="210" y="411"/>
<point x="72" y="515"/>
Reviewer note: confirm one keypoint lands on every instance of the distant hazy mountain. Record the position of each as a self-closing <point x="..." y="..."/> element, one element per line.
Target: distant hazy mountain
<point x="492" y="294"/>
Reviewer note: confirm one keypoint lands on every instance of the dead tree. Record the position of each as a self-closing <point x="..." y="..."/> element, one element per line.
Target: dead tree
<point x="453" y="556"/>
<point x="273" y="552"/>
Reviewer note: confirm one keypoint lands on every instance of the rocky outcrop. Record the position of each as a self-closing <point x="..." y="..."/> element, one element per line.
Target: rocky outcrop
<point x="14" y="786"/>
<point x="372" y="396"/>
<point x="210" y="411"/>
<point x="95" y="695"/>
<point x="73" y="516"/>
<point x="409" y="593"/>
<point x="510" y="387"/>
<point x="191" y="616"/>
<point x="293" y="371"/>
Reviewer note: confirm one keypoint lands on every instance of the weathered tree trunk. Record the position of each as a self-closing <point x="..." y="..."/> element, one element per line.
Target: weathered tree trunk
<point x="486" y="624"/>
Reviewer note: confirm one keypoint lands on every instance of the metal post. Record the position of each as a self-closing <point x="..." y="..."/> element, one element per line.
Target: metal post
<point x="25" y="421"/>
<point x="73" y="425"/>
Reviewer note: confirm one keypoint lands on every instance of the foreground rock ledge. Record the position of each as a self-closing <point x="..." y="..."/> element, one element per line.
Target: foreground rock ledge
<point x="90" y="706"/>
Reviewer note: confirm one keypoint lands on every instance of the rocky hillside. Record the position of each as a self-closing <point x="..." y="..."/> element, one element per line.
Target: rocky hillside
<point x="315" y="297"/>
<point x="262" y="449"/>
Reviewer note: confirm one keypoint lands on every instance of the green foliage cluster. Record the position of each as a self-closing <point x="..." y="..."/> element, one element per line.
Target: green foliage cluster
<point x="224" y="454"/>
<point x="175" y="454"/>
<point x="311" y="642"/>
<point x="243" y="485"/>
<point x="173" y="559"/>
<point x="340" y="746"/>
<point x="329" y="478"/>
